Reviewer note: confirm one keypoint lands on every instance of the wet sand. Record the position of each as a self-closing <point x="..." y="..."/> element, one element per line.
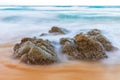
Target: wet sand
<point x="12" y="69"/>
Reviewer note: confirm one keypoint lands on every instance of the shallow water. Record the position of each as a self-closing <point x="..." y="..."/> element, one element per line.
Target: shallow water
<point x="20" y="21"/>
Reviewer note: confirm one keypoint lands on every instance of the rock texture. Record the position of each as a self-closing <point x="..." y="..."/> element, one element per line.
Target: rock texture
<point x="97" y="35"/>
<point x="69" y="48"/>
<point x="57" y="30"/>
<point x="35" y="51"/>
<point x="83" y="48"/>
<point x="89" y="48"/>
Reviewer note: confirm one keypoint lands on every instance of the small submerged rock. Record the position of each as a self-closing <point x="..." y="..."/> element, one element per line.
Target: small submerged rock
<point x="35" y="51"/>
<point x="55" y="31"/>
<point x="43" y="34"/>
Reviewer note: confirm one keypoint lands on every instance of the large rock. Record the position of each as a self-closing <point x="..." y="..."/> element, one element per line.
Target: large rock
<point x="35" y="51"/>
<point x="97" y="35"/>
<point x="89" y="49"/>
<point x="82" y="48"/>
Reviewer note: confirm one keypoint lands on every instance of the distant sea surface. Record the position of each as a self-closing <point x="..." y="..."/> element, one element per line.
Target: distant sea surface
<point x="18" y="21"/>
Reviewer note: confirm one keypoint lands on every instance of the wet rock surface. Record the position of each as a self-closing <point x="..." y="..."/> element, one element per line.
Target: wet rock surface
<point x="35" y="51"/>
<point x="97" y="35"/>
<point x="91" y="46"/>
<point x="55" y="31"/>
<point x="68" y="47"/>
<point x="89" y="49"/>
<point x="83" y="48"/>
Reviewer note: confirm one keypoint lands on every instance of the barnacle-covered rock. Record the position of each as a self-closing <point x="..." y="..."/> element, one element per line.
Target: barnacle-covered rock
<point x="57" y="30"/>
<point x="89" y="49"/>
<point x="35" y="51"/>
<point x="97" y="35"/>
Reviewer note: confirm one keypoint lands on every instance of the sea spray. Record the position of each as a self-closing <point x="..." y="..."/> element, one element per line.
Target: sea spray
<point x="113" y="56"/>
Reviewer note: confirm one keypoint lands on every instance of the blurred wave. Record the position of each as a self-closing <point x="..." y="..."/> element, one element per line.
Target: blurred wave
<point x="29" y="20"/>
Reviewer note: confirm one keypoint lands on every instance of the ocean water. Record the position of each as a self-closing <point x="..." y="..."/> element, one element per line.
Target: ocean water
<point x="29" y="21"/>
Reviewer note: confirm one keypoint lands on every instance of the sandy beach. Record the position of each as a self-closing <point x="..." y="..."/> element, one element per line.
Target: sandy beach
<point x="14" y="70"/>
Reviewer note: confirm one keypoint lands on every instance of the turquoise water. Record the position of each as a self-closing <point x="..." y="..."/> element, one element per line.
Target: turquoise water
<point x="23" y="20"/>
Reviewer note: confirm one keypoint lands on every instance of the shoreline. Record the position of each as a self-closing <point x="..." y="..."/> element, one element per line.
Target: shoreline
<point x="64" y="71"/>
